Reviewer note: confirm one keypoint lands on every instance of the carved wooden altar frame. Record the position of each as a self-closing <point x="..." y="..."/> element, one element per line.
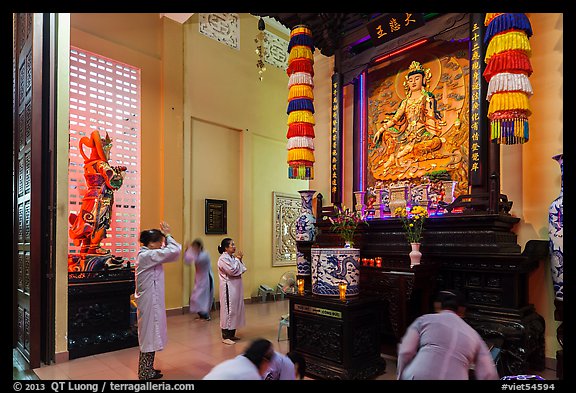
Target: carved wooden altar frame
<point x="449" y="66"/>
<point x="475" y="250"/>
<point x="484" y="173"/>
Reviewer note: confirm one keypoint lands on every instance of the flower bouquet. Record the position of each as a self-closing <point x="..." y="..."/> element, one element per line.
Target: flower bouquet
<point x="345" y="223"/>
<point x="413" y="222"/>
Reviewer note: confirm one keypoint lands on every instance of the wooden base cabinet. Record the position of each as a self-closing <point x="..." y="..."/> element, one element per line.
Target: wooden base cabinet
<point x="340" y="339"/>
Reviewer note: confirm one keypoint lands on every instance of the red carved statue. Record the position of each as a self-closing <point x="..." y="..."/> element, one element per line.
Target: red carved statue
<point x="90" y="225"/>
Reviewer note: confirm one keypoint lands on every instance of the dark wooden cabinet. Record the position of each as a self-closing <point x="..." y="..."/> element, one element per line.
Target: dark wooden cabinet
<point x="477" y="254"/>
<point x="340" y="339"/>
<point x="559" y="316"/>
<point x="405" y="294"/>
<point x="99" y="312"/>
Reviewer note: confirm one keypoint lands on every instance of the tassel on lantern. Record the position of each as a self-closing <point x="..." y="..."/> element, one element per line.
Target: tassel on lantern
<point x="301" y="52"/>
<point x="302" y="170"/>
<point x="301" y="40"/>
<point x="301" y="116"/>
<point x="300" y="104"/>
<point x="300" y="78"/>
<point x="505" y="22"/>
<point x="507" y="71"/>
<point x="301" y="154"/>
<point x="490" y="16"/>
<point x="300" y="65"/>
<point x="300" y="129"/>
<point x="513" y="40"/>
<point x="507" y="81"/>
<point x="513" y="61"/>
<point x="300" y="108"/>
<point x="300" y="142"/>
<point x="508" y="102"/>
<point x="300" y="91"/>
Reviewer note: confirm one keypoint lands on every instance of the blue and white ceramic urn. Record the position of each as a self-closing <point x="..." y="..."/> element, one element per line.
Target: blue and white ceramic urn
<point x="305" y="228"/>
<point x="332" y="266"/>
<point x="556" y="235"/>
<point x="302" y="264"/>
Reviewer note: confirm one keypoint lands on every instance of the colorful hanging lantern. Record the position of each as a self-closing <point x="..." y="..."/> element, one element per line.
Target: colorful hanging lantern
<point x="508" y="68"/>
<point x="300" y="109"/>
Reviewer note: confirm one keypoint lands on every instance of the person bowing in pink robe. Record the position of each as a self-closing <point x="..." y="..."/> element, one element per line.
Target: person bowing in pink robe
<point x="230" y="270"/>
<point x="444" y="346"/>
<point x="202" y="296"/>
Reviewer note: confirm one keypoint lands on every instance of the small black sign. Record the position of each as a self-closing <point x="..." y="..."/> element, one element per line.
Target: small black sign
<point x="216" y="217"/>
<point x="394" y="25"/>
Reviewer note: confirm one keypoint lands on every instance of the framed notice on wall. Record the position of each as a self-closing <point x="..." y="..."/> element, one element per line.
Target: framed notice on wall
<point x="215" y="217"/>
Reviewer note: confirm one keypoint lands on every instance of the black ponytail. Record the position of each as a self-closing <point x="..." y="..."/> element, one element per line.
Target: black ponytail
<point x="224" y="244"/>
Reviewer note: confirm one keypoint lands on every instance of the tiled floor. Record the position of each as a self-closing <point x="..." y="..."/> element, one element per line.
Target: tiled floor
<point x="194" y="347"/>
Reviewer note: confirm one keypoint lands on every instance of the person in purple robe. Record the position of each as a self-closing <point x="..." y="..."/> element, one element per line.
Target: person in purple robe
<point x="202" y="296"/>
<point x="158" y="247"/>
<point x="250" y="365"/>
<point x="443" y="346"/>
<point x="287" y="367"/>
<point x="230" y="270"/>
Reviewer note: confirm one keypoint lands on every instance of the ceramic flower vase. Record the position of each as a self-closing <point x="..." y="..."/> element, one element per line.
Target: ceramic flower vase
<point x="555" y="234"/>
<point x="305" y="229"/>
<point x="332" y="266"/>
<point x="415" y="254"/>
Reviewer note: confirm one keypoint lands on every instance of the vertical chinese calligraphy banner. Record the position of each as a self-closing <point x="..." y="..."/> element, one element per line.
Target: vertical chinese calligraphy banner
<point x="335" y="141"/>
<point x="449" y="66"/>
<point x="477" y="103"/>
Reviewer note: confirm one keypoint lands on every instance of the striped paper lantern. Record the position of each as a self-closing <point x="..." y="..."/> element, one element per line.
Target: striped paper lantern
<point x="507" y="70"/>
<point x="300" y="108"/>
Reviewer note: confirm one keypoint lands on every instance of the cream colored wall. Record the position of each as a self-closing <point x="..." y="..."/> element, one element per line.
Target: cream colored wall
<point x="539" y="183"/>
<point x="323" y="70"/>
<point x="215" y="174"/>
<point x="270" y="175"/>
<point x="222" y="91"/>
<point x="155" y="46"/>
<point x="171" y="152"/>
